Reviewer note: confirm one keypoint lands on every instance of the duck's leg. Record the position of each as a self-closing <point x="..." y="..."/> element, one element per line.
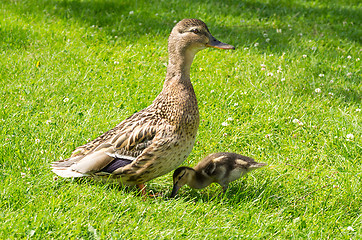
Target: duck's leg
<point x="142" y="188"/>
<point x="143" y="191"/>
<point x="224" y="188"/>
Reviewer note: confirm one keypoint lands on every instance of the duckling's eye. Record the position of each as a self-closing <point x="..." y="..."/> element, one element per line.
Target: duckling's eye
<point x="179" y="178"/>
<point x="195" y="30"/>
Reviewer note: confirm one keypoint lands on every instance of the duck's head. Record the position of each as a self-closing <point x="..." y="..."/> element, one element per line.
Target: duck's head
<point x="193" y="35"/>
<point x="181" y="176"/>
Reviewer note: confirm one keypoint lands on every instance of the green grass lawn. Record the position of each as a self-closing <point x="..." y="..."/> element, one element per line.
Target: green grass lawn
<point x="289" y="95"/>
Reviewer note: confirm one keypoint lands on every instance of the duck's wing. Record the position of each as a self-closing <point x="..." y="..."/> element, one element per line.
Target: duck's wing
<point x="128" y="124"/>
<point x="120" y="147"/>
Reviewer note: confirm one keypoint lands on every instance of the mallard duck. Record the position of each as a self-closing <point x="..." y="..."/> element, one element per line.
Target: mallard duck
<point x="157" y="139"/>
<point x="222" y="168"/>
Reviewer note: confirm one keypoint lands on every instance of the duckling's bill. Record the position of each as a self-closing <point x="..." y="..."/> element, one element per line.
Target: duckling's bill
<point x="175" y="190"/>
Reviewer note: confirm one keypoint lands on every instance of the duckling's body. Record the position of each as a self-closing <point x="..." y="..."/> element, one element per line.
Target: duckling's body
<point x="221" y="168"/>
<point x="159" y="138"/>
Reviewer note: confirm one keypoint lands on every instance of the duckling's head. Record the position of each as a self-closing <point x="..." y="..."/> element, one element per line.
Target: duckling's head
<point x="181" y="176"/>
<point x="193" y="35"/>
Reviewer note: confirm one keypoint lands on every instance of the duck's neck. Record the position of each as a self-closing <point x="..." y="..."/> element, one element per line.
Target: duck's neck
<point x="199" y="180"/>
<point x="179" y="64"/>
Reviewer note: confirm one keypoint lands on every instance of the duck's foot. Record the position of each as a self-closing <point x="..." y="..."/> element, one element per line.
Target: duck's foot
<point x="143" y="191"/>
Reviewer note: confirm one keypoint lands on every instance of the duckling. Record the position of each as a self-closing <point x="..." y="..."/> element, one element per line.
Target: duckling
<point x="157" y="139"/>
<point x="222" y="168"/>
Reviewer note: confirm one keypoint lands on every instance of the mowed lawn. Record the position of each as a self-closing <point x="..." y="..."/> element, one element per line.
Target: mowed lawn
<point x="289" y="96"/>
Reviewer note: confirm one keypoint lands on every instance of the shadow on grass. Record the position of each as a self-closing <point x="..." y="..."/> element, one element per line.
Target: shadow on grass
<point x="265" y="196"/>
<point x="349" y="95"/>
<point x="114" y="17"/>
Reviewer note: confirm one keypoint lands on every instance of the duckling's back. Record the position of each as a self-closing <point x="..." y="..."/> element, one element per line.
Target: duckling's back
<point x="225" y="167"/>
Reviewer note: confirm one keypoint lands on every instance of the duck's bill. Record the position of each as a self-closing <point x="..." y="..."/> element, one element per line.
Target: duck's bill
<point x="174" y="191"/>
<point x="214" y="43"/>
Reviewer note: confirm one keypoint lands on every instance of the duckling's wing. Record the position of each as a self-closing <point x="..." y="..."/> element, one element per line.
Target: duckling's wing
<point x="210" y="168"/>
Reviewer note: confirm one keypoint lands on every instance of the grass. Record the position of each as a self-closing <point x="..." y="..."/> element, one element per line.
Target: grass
<point x="71" y="70"/>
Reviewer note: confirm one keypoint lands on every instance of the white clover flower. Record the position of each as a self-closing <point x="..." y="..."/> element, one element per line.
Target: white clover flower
<point x="321" y="75"/>
<point x="131" y="12"/>
<point x="358" y="110"/>
<point x="246" y="48"/>
<point x="212" y="91"/>
<point x="349" y="57"/>
<point x="115" y="36"/>
<point x="270" y="74"/>
<point x="267" y="40"/>
<point x="256" y="44"/>
<point x="270" y="55"/>
<point x="318" y="90"/>
<point x="37" y="140"/>
<point x="262" y="65"/>
<point x="349" y="136"/>
<point x="224" y="124"/>
<point x="65" y="99"/>
<point x="48" y="121"/>
<point x="279" y="30"/>
<point x="350" y="228"/>
<point x="330" y="94"/>
<point x="113" y="30"/>
<point x="116" y="62"/>
<point x="268" y="135"/>
<point x="297" y="121"/>
<point x="265" y="35"/>
<point x="304" y="56"/>
<point x="314" y="48"/>
<point x="236" y="104"/>
<point x="331" y="81"/>
<point x="357" y="59"/>
<point x="300" y="34"/>
<point x="140" y="24"/>
<point x="349" y="74"/>
<point x="156" y="14"/>
<point x="230" y="119"/>
<point x="283" y="79"/>
<point x="262" y="69"/>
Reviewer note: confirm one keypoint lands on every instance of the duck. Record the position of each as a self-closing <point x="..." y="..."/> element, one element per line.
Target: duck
<point x="157" y="139"/>
<point x="221" y="168"/>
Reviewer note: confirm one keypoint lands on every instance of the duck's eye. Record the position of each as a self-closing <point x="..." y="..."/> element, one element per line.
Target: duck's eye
<point x="195" y="31"/>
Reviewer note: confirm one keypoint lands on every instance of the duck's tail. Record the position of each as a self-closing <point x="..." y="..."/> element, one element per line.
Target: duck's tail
<point x="67" y="172"/>
<point x="62" y="168"/>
